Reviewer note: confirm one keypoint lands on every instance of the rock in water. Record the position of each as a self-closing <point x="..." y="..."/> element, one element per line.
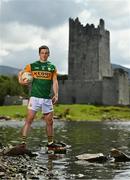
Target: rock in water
<point x="99" y="157"/>
<point x="119" y="156"/>
<point x="57" y="148"/>
<point x="18" y="150"/>
<point x="1" y="146"/>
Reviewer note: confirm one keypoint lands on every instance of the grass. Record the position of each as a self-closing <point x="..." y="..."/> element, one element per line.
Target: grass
<point x="91" y="112"/>
<point x="13" y="111"/>
<point x="73" y="112"/>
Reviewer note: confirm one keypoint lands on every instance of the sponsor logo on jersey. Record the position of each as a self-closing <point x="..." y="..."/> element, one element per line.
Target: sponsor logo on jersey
<point x="42" y="75"/>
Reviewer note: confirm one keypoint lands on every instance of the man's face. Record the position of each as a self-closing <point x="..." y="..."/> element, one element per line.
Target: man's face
<point x="44" y="54"/>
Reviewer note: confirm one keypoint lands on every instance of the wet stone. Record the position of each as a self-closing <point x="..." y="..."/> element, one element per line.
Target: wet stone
<point x="119" y="156"/>
<point x="19" y="166"/>
<point x="2" y="174"/>
<point x="114" y="156"/>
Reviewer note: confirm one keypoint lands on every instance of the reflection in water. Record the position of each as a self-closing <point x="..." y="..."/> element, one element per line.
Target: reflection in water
<point x="84" y="137"/>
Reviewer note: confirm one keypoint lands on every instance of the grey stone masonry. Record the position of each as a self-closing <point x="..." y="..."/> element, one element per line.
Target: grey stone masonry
<point x="115" y="90"/>
<point x="91" y="79"/>
<point x="89" y="51"/>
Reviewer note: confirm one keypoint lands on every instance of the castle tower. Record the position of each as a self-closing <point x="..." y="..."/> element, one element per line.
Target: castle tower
<point x="89" y="51"/>
<point x="91" y="79"/>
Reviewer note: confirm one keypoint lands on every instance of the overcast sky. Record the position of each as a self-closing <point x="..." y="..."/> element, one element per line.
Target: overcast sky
<point x="27" y="24"/>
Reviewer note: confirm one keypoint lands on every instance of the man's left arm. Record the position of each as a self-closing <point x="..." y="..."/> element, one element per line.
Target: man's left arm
<point x="55" y="88"/>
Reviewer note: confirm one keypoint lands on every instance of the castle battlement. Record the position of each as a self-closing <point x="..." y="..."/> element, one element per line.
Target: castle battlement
<point x="91" y="79"/>
<point x="89" y="51"/>
<point x="120" y="72"/>
<point x="88" y="29"/>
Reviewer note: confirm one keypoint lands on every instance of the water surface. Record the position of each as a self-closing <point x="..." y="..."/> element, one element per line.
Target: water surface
<point x="82" y="137"/>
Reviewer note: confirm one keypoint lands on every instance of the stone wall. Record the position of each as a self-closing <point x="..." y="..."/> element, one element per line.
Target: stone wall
<point x="80" y="92"/>
<point x="109" y="91"/>
<point x="89" y="51"/>
<point x="115" y="90"/>
<point x="105" y="68"/>
<point x="91" y="79"/>
<point x="123" y="86"/>
<point x="82" y="52"/>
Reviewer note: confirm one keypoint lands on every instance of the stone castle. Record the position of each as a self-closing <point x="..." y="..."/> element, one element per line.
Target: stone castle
<point x="91" y="79"/>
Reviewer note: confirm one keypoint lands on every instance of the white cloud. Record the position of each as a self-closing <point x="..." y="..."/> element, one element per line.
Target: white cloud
<point x="110" y="8"/>
<point x="47" y="13"/>
<point x="24" y="28"/>
<point x="18" y="38"/>
<point x="120" y="47"/>
<point x="3" y="52"/>
<point x="86" y="17"/>
<point x="115" y="12"/>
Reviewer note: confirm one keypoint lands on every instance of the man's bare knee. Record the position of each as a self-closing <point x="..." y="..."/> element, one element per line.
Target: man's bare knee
<point x="30" y="117"/>
<point x="48" y="118"/>
<point x="28" y="122"/>
<point x="50" y="121"/>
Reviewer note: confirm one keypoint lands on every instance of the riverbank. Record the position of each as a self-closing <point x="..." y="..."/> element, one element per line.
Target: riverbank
<point x="72" y="112"/>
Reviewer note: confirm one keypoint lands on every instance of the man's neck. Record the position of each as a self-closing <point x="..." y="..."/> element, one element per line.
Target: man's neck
<point x="43" y="61"/>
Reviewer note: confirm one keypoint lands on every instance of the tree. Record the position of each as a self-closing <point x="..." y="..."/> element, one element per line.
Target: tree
<point x="10" y="86"/>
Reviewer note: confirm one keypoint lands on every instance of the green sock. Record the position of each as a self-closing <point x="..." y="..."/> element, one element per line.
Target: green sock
<point x="24" y="138"/>
<point x="50" y="139"/>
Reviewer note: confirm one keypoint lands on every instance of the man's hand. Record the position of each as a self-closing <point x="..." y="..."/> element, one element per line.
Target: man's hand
<point x="55" y="99"/>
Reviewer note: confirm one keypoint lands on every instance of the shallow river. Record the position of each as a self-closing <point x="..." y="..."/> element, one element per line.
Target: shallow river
<point x="81" y="137"/>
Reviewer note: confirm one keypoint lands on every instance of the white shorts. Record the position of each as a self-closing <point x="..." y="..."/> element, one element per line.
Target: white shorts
<point x="36" y="104"/>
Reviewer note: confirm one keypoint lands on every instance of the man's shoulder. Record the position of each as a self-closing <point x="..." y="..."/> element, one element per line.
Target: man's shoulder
<point x="51" y="64"/>
<point x="35" y="62"/>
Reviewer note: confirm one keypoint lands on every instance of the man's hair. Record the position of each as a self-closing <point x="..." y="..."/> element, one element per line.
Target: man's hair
<point x="44" y="47"/>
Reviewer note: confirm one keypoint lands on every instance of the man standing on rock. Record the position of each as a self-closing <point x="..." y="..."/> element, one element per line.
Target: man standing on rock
<point x="44" y="77"/>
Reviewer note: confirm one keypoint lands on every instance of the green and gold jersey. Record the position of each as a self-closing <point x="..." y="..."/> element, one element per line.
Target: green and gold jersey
<point x="43" y="73"/>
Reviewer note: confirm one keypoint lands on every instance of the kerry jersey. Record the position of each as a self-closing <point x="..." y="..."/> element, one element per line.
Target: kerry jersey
<point x="42" y="73"/>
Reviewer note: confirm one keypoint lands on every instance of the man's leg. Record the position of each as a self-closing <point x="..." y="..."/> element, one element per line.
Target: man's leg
<point x="30" y="116"/>
<point x="48" y="117"/>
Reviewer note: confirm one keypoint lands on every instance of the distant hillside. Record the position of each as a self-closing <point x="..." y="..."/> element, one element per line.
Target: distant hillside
<point x="114" y="66"/>
<point x="7" y="70"/>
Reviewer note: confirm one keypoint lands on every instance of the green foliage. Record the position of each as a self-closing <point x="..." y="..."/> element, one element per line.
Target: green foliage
<point x="10" y="86"/>
<point x="16" y="112"/>
<point x="74" y="112"/>
<point x="91" y="112"/>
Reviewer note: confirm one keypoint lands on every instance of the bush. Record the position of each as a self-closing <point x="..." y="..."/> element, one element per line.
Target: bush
<point x="10" y="86"/>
